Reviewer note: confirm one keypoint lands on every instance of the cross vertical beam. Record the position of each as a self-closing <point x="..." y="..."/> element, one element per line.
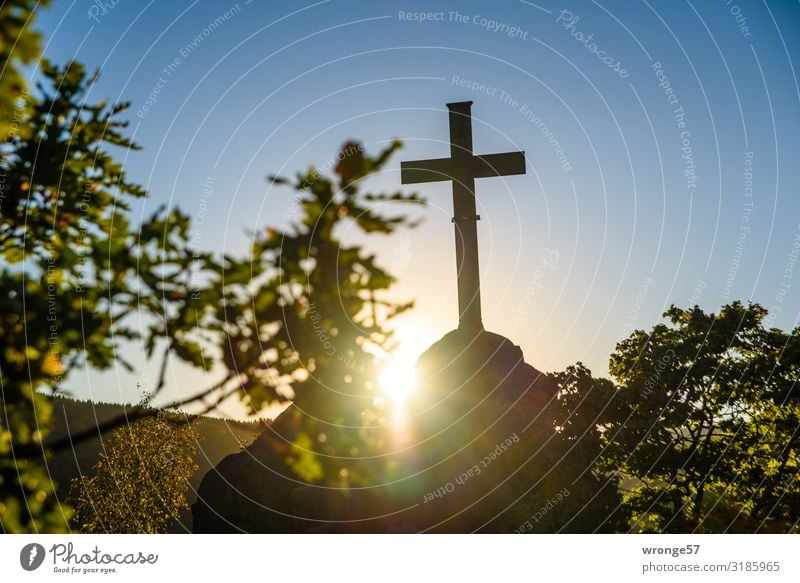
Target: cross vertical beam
<point x="462" y="168"/>
<point x="465" y="217"/>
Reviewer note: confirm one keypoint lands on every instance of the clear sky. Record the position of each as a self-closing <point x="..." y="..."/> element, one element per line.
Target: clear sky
<point x="661" y="150"/>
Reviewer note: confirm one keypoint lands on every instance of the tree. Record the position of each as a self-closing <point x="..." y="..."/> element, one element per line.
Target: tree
<point x="141" y="481"/>
<point x="585" y="407"/>
<point x="706" y="433"/>
<point x="59" y="226"/>
<point x="303" y="318"/>
<point x="333" y="314"/>
<point x="19" y="45"/>
<point x="75" y="269"/>
<point x="564" y="482"/>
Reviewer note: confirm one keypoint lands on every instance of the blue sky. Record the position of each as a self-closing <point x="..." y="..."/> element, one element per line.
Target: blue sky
<point x="635" y="198"/>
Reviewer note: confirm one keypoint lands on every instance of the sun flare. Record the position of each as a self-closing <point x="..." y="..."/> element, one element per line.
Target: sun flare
<point x="397" y="380"/>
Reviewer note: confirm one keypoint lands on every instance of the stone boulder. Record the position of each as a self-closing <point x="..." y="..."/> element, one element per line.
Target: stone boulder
<point x="478" y="412"/>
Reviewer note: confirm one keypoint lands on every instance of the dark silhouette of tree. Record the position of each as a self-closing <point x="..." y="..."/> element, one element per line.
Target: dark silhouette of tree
<point x="333" y="314"/>
<point x="706" y="432"/>
<point x="565" y="483"/>
<point x="19" y="45"/>
<point x="298" y="319"/>
<point x="62" y="228"/>
<point x="698" y="431"/>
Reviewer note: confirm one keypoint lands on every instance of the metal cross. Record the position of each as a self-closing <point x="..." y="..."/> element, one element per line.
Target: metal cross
<point x="462" y="168"/>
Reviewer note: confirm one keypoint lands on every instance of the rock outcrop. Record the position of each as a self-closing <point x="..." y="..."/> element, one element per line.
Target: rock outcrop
<point x="478" y="413"/>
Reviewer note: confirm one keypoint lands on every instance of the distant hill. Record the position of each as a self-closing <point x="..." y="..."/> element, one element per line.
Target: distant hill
<point x="218" y="438"/>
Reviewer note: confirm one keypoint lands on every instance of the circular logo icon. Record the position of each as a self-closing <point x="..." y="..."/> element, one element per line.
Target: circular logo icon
<point x="31" y="556"/>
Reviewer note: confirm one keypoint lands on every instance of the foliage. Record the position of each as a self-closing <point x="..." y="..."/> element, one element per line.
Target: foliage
<point x="75" y="270"/>
<point x="73" y="267"/>
<point x="585" y="406"/>
<point x="19" y="45"/>
<point x="559" y="480"/>
<point x="707" y="412"/>
<point x="302" y="318"/>
<point x="697" y="431"/>
<point x="141" y="480"/>
<point x="58" y="225"/>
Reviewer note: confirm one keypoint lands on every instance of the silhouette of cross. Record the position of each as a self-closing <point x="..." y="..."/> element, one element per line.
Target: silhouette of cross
<point x="462" y="168"/>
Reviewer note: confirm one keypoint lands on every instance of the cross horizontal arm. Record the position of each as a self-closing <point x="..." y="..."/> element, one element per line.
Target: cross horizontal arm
<point x="416" y="171"/>
<point x="442" y="169"/>
<point x="505" y="164"/>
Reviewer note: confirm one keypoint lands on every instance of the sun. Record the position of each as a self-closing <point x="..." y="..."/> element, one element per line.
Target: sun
<point x="397" y="380"/>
